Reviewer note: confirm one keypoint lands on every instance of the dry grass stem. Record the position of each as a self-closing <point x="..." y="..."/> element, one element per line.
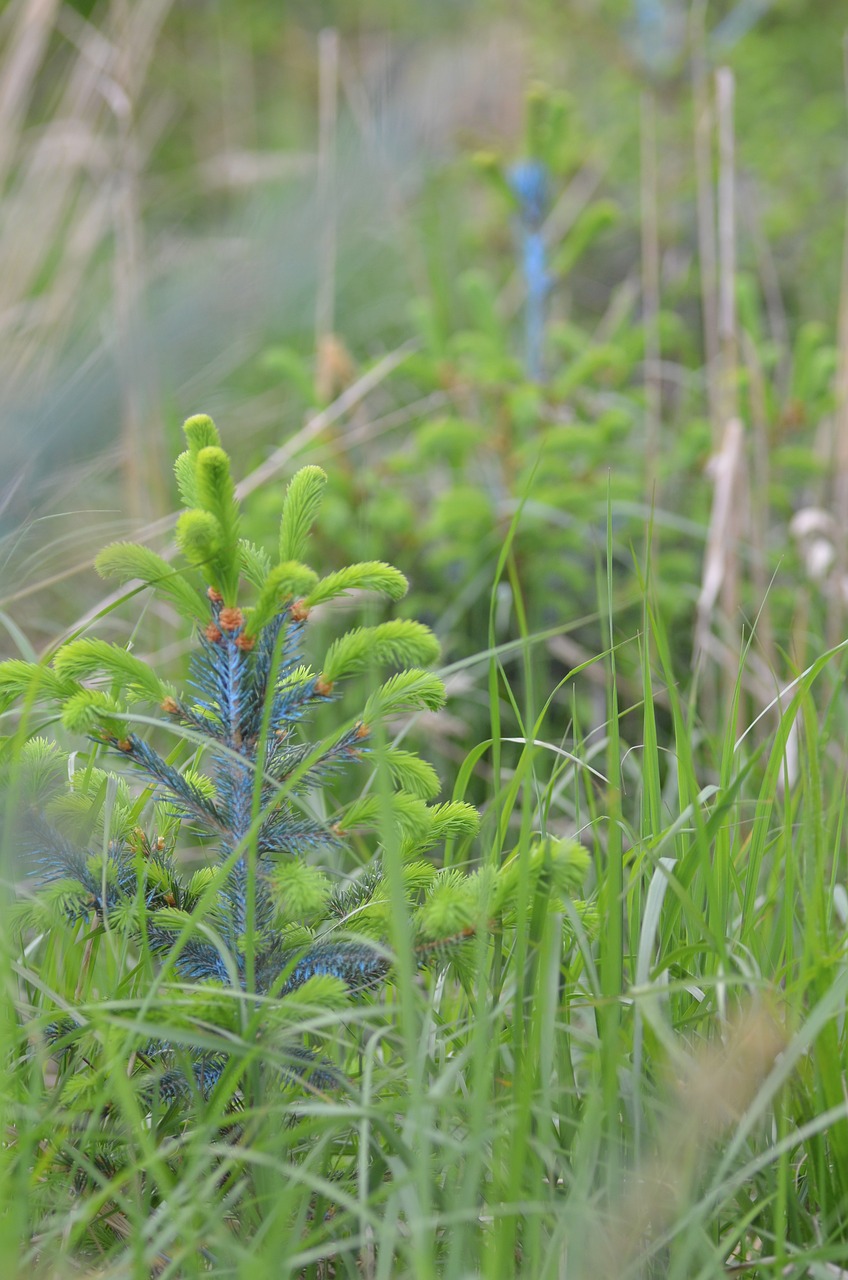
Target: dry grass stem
<point x="709" y="1098"/>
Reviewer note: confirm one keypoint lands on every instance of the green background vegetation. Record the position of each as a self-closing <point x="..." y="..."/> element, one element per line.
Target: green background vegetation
<point x="641" y="607"/>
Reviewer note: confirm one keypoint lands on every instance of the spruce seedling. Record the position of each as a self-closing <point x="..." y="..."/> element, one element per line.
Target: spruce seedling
<point x="164" y="1003"/>
<point x="168" y="1014"/>
<point x="262" y="916"/>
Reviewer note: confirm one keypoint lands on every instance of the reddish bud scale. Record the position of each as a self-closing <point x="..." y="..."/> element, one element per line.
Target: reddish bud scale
<point x="123" y="744"/>
<point x="231" y="618"/>
<point x="170" y="706"/>
<point x="214" y="596"/>
<point x="323" y="687"/>
<point x="299" y="611"/>
<point x="362" y="730"/>
<point x="245" y="643"/>
<point x="213" y="633"/>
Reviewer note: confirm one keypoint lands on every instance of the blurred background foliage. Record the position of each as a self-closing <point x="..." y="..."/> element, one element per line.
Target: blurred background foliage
<point x="279" y="215"/>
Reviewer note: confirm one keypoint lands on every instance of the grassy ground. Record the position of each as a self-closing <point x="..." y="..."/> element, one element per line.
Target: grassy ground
<point x="648" y="1085"/>
<point x="647" y="1079"/>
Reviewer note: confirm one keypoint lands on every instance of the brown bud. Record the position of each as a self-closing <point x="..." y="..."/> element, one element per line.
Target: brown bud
<point x="213" y="633"/>
<point x="123" y="744"/>
<point x="362" y="730"/>
<point x="245" y="643"/>
<point x="231" y="618"/>
<point x="323" y="687"/>
<point x="214" y="596"/>
<point x="170" y="705"/>
<point x="299" y="611"/>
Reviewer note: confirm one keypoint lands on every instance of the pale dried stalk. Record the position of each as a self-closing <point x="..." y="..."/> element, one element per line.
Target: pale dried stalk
<point x="328" y="103"/>
<point x="713" y="1091"/>
<point x="341" y="406"/>
<point x="707" y="253"/>
<point x="52" y="164"/>
<point x="725" y="469"/>
<point x="56" y="207"/>
<point x="35" y="20"/>
<point x="721" y="574"/>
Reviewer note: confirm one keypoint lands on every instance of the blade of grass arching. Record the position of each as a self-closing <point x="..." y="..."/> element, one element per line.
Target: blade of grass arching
<point x="780" y="888"/>
<point x="760" y="828"/>
<point x="22" y="643"/>
<point x="687" y="885"/>
<point x="585" y="798"/>
<point x="647" y="997"/>
<point x="693" y="853"/>
<point x="476" y="754"/>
